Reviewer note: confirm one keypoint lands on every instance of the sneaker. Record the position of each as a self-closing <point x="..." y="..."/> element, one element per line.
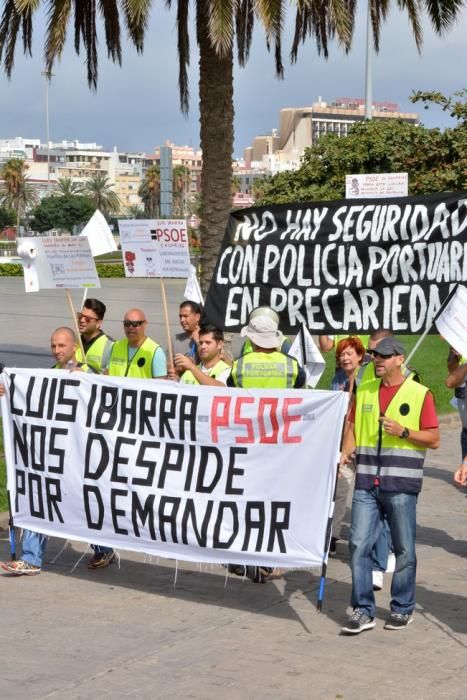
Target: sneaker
<point x="391" y="563"/>
<point x="237" y="569"/>
<point x="258" y="574"/>
<point x="333" y="546"/>
<point x="377" y="580"/>
<point x="397" y="621"/>
<point x="358" y="622"/>
<point x="20" y="568"/>
<point x="101" y="559"/>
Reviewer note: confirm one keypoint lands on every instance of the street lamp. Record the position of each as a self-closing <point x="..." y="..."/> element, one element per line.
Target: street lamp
<point x="368" y="66"/>
<point x="48" y="76"/>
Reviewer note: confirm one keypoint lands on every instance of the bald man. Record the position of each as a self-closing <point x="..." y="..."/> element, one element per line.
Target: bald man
<point x="136" y="355"/>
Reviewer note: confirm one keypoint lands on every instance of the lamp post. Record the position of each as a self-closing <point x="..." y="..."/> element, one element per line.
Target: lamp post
<point x="48" y="76"/>
<point x="368" y="66"/>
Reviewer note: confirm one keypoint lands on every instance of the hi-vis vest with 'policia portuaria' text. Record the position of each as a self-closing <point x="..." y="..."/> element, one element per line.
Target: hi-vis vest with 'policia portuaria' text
<point x="392" y="463"/>
<point x="262" y="370"/>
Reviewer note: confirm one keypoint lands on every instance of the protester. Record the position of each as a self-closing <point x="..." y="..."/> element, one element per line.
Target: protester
<point x="349" y="356"/>
<point x="186" y="342"/>
<point x="63" y="345"/>
<point x="329" y="342"/>
<point x="97" y="345"/>
<point x="242" y="347"/>
<point x="457" y="380"/>
<point x="265" y="367"/>
<point x="212" y="370"/>
<point x="393" y="424"/>
<point x="136" y="355"/>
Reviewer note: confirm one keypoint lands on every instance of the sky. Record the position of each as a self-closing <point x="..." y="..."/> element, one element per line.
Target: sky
<point x="136" y="107"/>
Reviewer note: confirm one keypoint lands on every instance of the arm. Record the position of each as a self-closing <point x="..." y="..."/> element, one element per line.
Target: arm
<point x="348" y="444"/>
<point x="325" y="343"/>
<point x="184" y="363"/>
<point x="453" y="359"/>
<point x="457" y="376"/>
<point x="460" y="475"/>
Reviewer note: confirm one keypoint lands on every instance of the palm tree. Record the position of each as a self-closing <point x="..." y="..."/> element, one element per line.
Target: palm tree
<point x="98" y="189"/>
<point x="16" y="193"/>
<point x="66" y="186"/>
<point x="218" y="22"/>
<point x="181" y="179"/>
<point x="150" y="191"/>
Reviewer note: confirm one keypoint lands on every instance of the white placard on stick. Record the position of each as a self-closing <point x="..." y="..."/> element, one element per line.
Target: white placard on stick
<point x="155" y="247"/>
<point x="376" y="185"/>
<point x="99" y="235"/>
<point x="57" y="262"/>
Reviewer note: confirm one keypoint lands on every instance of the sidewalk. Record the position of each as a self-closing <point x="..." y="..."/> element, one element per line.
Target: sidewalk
<point x="135" y="632"/>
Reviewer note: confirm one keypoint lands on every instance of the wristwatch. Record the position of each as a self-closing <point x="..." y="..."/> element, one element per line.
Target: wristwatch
<point x="405" y="434"/>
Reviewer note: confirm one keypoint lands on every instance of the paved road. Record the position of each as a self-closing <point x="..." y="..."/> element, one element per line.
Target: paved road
<point x="27" y="320"/>
<point x="149" y="629"/>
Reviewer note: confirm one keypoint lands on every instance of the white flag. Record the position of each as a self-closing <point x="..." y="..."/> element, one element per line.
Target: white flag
<point x="308" y="356"/>
<point x="192" y="289"/>
<point x="452" y="321"/>
<point x="99" y="235"/>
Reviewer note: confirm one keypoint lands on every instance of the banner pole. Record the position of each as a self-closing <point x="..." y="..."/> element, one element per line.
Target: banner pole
<point x="75" y="323"/>
<point x="327" y="537"/>
<point x="11" y="528"/>
<point x="167" y="325"/>
<point x="428" y="328"/>
<point x="85" y="296"/>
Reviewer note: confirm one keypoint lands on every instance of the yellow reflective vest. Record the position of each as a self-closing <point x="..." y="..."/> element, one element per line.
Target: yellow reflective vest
<point x="188" y="377"/>
<point x="388" y="461"/>
<point x="264" y="370"/>
<point x="96" y="352"/>
<point x="139" y="366"/>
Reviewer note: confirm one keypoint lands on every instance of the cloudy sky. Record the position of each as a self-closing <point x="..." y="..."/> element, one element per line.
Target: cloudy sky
<point x="136" y="107"/>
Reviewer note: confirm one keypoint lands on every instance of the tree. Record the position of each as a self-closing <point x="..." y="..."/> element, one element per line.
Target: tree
<point x="66" y="186"/>
<point x="436" y="161"/>
<point x="135" y="212"/>
<point x="218" y="22"/>
<point x="98" y="189"/>
<point x="7" y="217"/>
<point x="181" y="180"/>
<point x="16" y="193"/>
<point x="62" y="212"/>
<point x="150" y="191"/>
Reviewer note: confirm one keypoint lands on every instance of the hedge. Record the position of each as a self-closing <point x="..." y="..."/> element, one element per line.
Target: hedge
<point x="103" y="270"/>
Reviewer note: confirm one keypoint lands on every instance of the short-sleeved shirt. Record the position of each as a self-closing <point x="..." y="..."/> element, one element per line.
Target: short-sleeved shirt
<point x="184" y="344"/>
<point x="428" y="417"/>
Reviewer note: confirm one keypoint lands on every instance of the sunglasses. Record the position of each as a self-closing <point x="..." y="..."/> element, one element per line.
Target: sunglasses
<point x="133" y="324"/>
<point x="86" y="319"/>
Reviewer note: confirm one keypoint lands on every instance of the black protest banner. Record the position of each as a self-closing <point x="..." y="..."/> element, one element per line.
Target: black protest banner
<point x="342" y="266"/>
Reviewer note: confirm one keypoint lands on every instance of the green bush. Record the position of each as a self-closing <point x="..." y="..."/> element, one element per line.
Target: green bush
<point x="110" y="270"/>
<point x="11" y="270"/>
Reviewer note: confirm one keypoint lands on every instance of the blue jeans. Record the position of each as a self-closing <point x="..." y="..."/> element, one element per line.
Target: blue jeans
<point x="33" y="547"/>
<point x="383" y="546"/>
<point x="368" y="511"/>
<point x="100" y="549"/>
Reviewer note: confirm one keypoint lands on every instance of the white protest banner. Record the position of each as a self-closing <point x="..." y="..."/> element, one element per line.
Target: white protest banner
<point x="99" y="235"/>
<point x="192" y="289"/>
<point x="194" y="473"/>
<point x="376" y="185"/>
<point x="452" y="321"/>
<point x="308" y="356"/>
<point x="58" y="262"/>
<point x="155" y="247"/>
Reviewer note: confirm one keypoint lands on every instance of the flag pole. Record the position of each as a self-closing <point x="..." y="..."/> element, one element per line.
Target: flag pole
<point x="428" y="328"/>
<point x="327" y="537"/>
<point x="167" y="325"/>
<point x="75" y="323"/>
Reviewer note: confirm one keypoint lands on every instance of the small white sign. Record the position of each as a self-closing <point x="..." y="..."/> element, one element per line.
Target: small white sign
<point x="99" y="235"/>
<point x="308" y="356"/>
<point x="155" y="247"/>
<point x="57" y="262"/>
<point x="452" y="321"/>
<point x="376" y="185"/>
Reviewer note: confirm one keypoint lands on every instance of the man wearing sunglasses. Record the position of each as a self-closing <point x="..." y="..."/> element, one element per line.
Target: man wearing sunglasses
<point x="96" y="344"/>
<point x="392" y="425"/>
<point x="136" y="355"/>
